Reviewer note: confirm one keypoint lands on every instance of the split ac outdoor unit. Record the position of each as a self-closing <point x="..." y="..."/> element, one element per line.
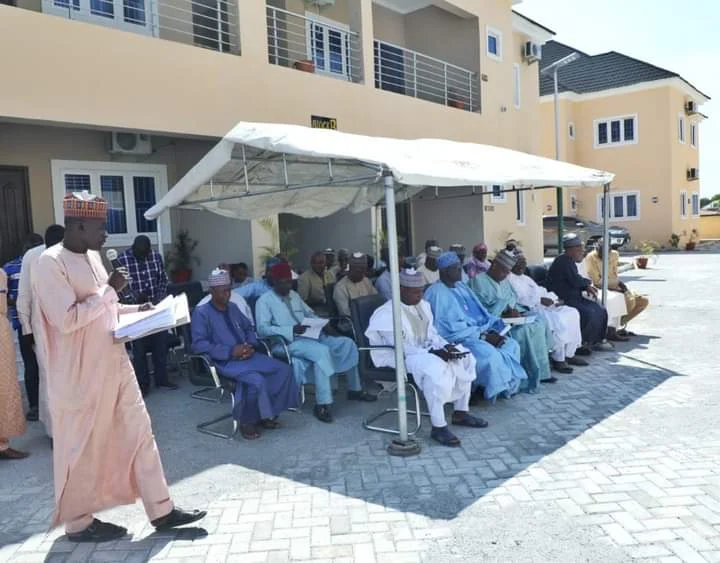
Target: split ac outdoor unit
<point x="532" y="52"/>
<point x="130" y="143"/>
<point x="691" y="107"/>
<point x="693" y="173"/>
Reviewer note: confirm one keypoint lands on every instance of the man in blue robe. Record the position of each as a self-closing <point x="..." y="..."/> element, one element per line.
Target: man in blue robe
<point x="266" y="387"/>
<point x="281" y="312"/>
<point x="460" y="318"/>
<point x="498" y="297"/>
<point x="564" y="280"/>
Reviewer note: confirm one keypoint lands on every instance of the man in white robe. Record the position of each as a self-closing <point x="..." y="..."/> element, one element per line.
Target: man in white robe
<point x="563" y="321"/>
<point x="441" y="370"/>
<point x="615" y="306"/>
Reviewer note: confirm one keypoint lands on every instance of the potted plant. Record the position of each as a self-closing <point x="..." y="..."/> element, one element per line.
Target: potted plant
<point x="647" y="247"/>
<point x="305" y="65"/>
<point x="181" y="258"/>
<point x="282" y="241"/>
<point x="692" y="241"/>
<point x="674" y="240"/>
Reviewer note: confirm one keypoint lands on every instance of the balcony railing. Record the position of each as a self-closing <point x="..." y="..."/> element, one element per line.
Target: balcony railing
<point x="414" y="74"/>
<point x="313" y="45"/>
<point x="205" y="23"/>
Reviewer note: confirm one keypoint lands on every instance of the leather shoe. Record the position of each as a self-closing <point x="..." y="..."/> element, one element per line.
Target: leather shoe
<point x="361" y="396"/>
<point x="583" y="351"/>
<point x="166" y="384"/>
<point x="575" y="361"/>
<point x="98" y="532"/>
<point x="322" y="413"/>
<point x="562" y="367"/>
<point x="32" y="414"/>
<point x="178" y="517"/>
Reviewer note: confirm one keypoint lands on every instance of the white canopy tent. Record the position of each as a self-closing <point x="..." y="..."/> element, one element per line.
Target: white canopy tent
<point x="261" y="169"/>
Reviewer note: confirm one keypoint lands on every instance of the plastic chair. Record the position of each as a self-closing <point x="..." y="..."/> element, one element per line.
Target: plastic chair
<point x="361" y="310"/>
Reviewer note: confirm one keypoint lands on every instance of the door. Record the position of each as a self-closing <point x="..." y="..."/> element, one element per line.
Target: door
<point x="15" y="218"/>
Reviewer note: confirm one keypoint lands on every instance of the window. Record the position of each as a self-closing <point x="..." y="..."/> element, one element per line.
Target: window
<point x="681" y="128"/>
<point x="683" y="204"/>
<point x="516" y="85"/>
<point x="498" y="196"/>
<point x="130" y="15"/>
<point x="693" y="135"/>
<point x="210" y="24"/>
<point x="130" y="190"/>
<point x="695" y="204"/>
<point x="615" y="131"/>
<point x="494" y="44"/>
<point x="623" y="206"/>
<point x="520" y="207"/>
<point x="571" y="131"/>
<point x="328" y="45"/>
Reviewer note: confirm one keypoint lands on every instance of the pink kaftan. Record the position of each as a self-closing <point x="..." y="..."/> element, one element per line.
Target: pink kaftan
<point x="104" y="450"/>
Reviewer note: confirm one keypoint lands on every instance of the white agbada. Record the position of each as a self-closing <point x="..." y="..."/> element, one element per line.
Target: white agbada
<point x="564" y="321"/>
<point x="615" y="307"/>
<point x="441" y="382"/>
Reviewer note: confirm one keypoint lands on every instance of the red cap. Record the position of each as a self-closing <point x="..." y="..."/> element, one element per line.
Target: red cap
<point x="281" y="271"/>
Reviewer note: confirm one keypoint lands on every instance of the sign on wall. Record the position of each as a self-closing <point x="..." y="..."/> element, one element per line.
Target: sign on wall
<point x="321" y="122"/>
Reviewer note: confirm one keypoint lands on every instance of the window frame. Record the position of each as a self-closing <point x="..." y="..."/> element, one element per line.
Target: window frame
<point x="624" y="195"/>
<point x="695" y="204"/>
<point x="693" y="135"/>
<point x="95" y="169"/>
<point x="520" y="209"/>
<point x="327" y="24"/>
<point x="683" y="204"/>
<point x="501" y="198"/>
<point x="571" y="130"/>
<point x="681" y="128"/>
<point x="608" y="123"/>
<point x="82" y="11"/>
<point x="498" y="35"/>
<point x="517" y="86"/>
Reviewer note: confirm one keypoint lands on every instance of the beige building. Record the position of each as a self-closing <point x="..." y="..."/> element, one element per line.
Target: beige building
<point x="122" y="97"/>
<point x="640" y="122"/>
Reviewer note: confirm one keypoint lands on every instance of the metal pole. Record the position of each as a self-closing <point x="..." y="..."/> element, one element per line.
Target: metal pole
<point x="161" y="250"/>
<point x="402" y="446"/>
<point x="606" y="242"/>
<point x="558" y="191"/>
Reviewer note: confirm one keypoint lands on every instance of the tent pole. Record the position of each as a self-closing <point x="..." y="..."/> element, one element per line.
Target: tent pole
<point x="606" y="242"/>
<point x="401" y="446"/>
<point x="161" y="250"/>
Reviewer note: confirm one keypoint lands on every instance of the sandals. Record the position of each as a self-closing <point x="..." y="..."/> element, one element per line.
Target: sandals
<point x="623" y="332"/>
<point x="270" y="423"/>
<point x="445" y="437"/>
<point x="322" y="413"/>
<point x="9" y="453"/>
<point x="249" y="432"/>
<point x="469" y="420"/>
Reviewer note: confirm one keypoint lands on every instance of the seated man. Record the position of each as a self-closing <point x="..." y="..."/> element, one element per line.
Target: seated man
<point x="564" y="280"/>
<point x="437" y="367"/>
<point x="382" y="284"/>
<point x="460" y="318"/>
<point x="459" y="249"/>
<point x="498" y="297"/>
<point x="429" y="269"/>
<point x="634" y="303"/>
<point x="281" y="312"/>
<point x="479" y="262"/>
<point x="563" y="321"/>
<point x="354" y="285"/>
<point x="339" y="270"/>
<point x="252" y="291"/>
<point x="239" y="275"/>
<point x="312" y="284"/>
<point x="266" y="387"/>
<point x="615" y="307"/>
<point x="422" y="257"/>
<point x="237" y="300"/>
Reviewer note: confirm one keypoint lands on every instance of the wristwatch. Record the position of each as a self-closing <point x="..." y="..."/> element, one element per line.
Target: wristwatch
<point x="483" y="336"/>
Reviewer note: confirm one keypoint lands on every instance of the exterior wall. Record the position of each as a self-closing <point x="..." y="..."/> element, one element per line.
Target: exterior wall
<point x="388" y="25"/>
<point x="709" y="226"/>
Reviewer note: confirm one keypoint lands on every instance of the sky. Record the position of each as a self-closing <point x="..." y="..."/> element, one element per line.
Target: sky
<point x="683" y="37"/>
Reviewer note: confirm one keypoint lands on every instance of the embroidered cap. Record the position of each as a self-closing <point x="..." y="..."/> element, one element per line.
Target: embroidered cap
<point x="219" y="278"/>
<point x="84" y="205"/>
<point x="571" y="240"/>
<point x="434" y="252"/>
<point x="411" y="278"/>
<point x="505" y="258"/>
<point x="447" y="259"/>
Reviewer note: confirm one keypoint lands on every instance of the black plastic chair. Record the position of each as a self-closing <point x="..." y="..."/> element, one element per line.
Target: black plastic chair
<point x="538" y="273"/>
<point x="362" y="309"/>
<point x="193" y="290"/>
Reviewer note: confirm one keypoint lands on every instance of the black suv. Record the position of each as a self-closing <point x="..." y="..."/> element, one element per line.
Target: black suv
<point x="588" y="231"/>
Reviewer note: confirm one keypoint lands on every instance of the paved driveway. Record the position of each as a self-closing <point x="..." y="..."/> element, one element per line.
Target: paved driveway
<point x="614" y="463"/>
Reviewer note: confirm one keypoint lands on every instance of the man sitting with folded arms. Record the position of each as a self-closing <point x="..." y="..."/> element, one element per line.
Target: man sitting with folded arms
<point x="266" y="387"/>
<point x="281" y="312"/>
<point x="313" y="282"/>
<point x="443" y="372"/>
<point x="634" y="303"/>
<point x="355" y="284"/>
<point x="563" y="321"/>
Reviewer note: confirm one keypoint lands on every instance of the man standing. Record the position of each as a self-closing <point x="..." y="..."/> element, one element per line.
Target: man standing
<point x="148" y="284"/>
<point x="281" y="312"/>
<point x="634" y="303"/>
<point x="13" y="269"/>
<point x="265" y="386"/>
<point x="498" y="297"/>
<point x="104" y="454"/>
<point x="429" y="269"/>
<point x="312" y="284"/>
<point x="354" y="285"/>
<point x="563" y="321"/>
<point x="438" y="368"/>
<point x="564" y="280"/>
<point x="460" y="318"/>
<point x="479" y="262"/>
<point x="29" y="319"/>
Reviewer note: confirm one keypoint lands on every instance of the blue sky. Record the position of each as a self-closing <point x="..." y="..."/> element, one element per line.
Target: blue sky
<point x="683" y="37"/>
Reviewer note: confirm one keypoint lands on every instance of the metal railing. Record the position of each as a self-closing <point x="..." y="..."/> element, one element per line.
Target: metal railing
<point x="313" y="45"/>
<point x="408" y="72"/>
<point x="212" y="24"/>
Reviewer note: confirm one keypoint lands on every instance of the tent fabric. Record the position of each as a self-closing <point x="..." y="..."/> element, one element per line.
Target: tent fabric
<point x="316" y="172"/>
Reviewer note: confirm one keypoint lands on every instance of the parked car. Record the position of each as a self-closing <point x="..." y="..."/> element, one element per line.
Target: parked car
<point x="588" y="231"/>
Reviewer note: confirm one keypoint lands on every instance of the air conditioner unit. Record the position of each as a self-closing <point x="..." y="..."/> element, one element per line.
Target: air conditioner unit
<point x="532" y="52"/>
<point x="130" y="143"/>
<point x="693" y="173"/>
<point x="691" y="107"/>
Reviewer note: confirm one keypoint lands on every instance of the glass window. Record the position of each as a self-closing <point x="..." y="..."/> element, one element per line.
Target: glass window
<point x="629" y="129"/>
<point x="144" y="192"/>
<point x="77" y="182"/>
<point x="683" y="204"/>
<point x="681" y="129"/>
<point x="571" y="130"/>
<point x="492" y="44"/>
<point x="693" y="135"/>
<point x="516" y="85"/>
<point x="520" y="207"/>
<point x="615" y="131"/>
<point x="602" y="134"/>
<point x="113" y="190"/>
<point x="104" y="8"/>
<point x="696" y="204"/>
<point x="618" y="206"/>
<point x="329" y="47"/>
<point x="631" y="205"/>
<point x="134" y="11"/>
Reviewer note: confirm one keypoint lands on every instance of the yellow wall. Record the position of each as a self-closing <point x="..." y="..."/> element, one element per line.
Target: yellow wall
<point x="709" y="226"/>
